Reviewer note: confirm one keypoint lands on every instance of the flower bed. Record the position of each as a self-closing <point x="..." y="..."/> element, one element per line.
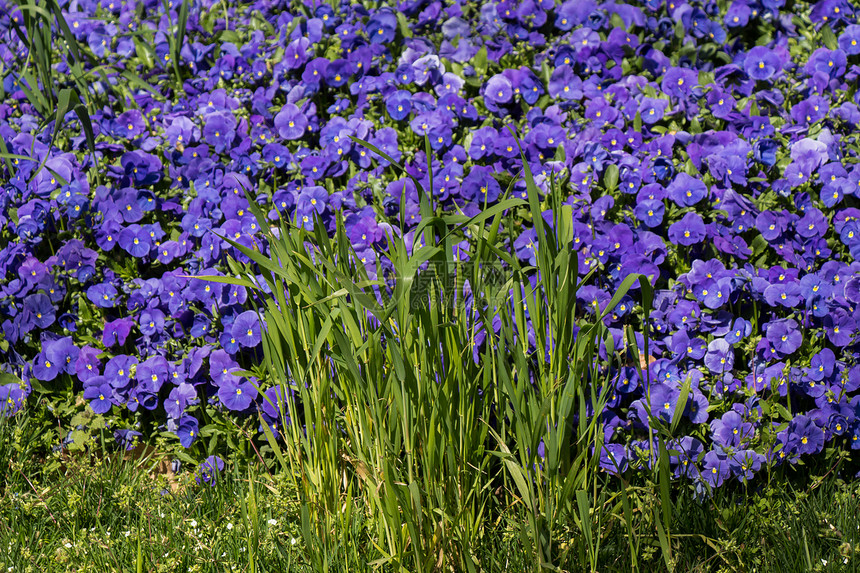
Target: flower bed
<point x="711" y="146"/>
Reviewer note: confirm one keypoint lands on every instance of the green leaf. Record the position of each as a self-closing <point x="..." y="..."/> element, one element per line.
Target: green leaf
<point x="681" y="405"/>
<point x="6" y="378"/>
<point x="403" y="25"/>
<point x="79" y="440"/>
<point x="829" y="38"/>
<point x="610" y="178"/>
<point x="479" y="62"/>
<point x="145" y="53"/>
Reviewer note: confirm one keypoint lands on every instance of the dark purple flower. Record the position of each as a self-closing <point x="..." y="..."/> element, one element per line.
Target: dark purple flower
<point x="12" y="398"/>
<point x="381" y="28"/>
<point x="688" y="231"/>
<point x="87" y="365"/>
<point x="686" y="190"/>
<point x="100" y="394"/>
<point x="740" y="330"/>
<point x="291" y="123"/>
<point x="126" y="439"/>
<point x="119" y="371"/>
<point x="613" y="459"/>
<point x="338" y="72"/>
<point x="761" y="63"/>
<point x="187" y="431"/>
<point x="720" y="357"/>
<point x="41" y="308"/>
<point x="130" y="124"/>
<point x="152" y="373"/>
<point x="745" y="463"/>
<point x="237" y="394"/>
<point x="246" y="329"/>
<point x="116" y="332"/>
<point x="683" y="345"/>
<point x="102" y="295"/>
<point x="783" y="294"/>
<point x="182" y="132"/>
<point x="840" y="327"/>
<point x="135" y="240"/>
<point x="180" y="397"/>
<point x="220" y="129"/>
<point x="221" y="367"/>
<point x="731" y="430"/>
<point x="849" y="40"/>
<point x="650" y="212"/>
<point x="499" y="90"/>
<point x="663" y="401"/>
<point x="678" y="82"/>
<point x="63" y="353"/>
<point x="784" y="335"/>
<point x="564" y="84"/>
<point x="715" y="468"/>
<point x="208" y="471"/>
<point x="651" y="110"/>
<point x="804" y="436"/>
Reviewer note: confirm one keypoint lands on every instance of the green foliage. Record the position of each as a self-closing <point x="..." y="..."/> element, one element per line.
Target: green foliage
<point x="398" y="421"/>
<point x="114" y="511"/>
<point x="103" y="511"/>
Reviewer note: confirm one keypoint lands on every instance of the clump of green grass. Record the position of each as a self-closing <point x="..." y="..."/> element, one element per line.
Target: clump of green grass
<point x="391" y="415"/>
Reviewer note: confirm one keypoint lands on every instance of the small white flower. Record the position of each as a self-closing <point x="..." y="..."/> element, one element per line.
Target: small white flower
<point x="272" y="522"/>
<point x="194" y="523"/>
<point x="126" y="533"/>
<point x="67" y="544"/>
<point x="229" y="527"/>
<point x="293" y="541"/>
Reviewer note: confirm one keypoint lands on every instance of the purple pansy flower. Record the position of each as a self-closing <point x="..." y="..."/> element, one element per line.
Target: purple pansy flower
<point x="237" y="394"/>
<point x="761" y="63"/>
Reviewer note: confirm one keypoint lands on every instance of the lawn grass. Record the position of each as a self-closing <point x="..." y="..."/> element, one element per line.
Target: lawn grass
<point x="104" y="511"/>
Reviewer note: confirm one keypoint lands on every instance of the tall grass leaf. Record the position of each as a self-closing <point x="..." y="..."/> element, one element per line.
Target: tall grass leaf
<point x="515" y="471"/>
<point x="270" y="438"/>
<point x="224" y="280"/>
<point x="665" y="479"/>
<point x="632" y="545"/>
<point x="73" y="49"/>
<point x="531" y="187"/>
<point x="180" y="30"/>
<point x="87" y="125"/>
<point x="585" y="520"/>
<point x="666" y="548"/>
<point x="8" y="157"/>
<point x="139" y="558"/>
<point x="681" y="405"/>
<point x="34" y="96"/>
<point x="422" y="194"/>
<point x="136" y="80"/>
<point x="65" y="103"/>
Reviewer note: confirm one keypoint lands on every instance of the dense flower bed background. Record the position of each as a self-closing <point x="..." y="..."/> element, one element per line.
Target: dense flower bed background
<point x="709" y="145"/>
